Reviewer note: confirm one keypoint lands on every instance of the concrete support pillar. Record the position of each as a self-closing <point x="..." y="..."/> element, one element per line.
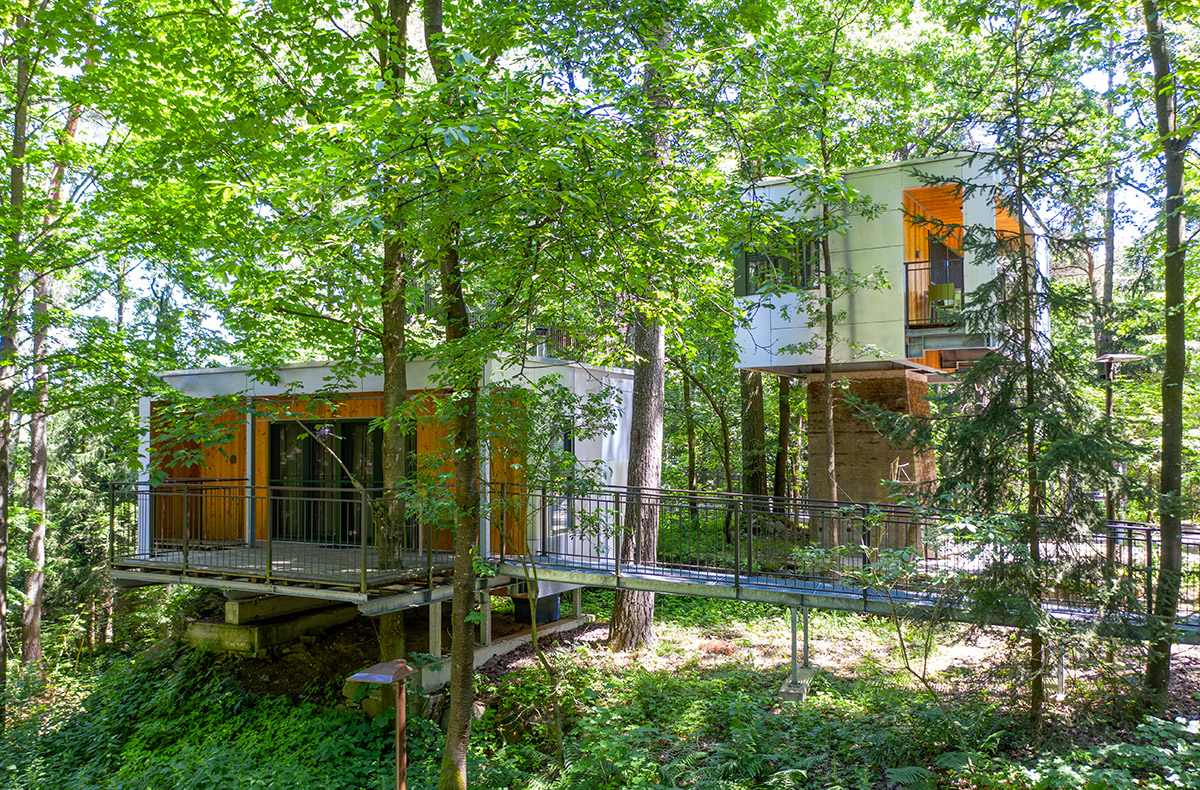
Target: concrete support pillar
<point x="577" y="602"/>
<point x="435" y="628"/>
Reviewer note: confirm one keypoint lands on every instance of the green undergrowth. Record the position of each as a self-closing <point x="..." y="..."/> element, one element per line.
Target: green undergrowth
<point x="184" y="722"/>
<point x="713" y="727"/>
<point x="704" y="714"/>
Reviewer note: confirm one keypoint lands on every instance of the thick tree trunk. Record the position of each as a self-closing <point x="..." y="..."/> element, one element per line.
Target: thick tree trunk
<point x="754" y="436"/>
<point x="466" y="534"/>
<point x="632" y="623"/>
<point x="465" y="446"/>
<point x="35" y="492"/>
<point x="391" y="522"/>
<point x="782" y="466"/>
<point x="1166" y="595"/>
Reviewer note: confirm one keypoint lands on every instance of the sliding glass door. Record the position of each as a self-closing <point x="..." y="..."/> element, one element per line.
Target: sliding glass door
<point x="312" y="470"/>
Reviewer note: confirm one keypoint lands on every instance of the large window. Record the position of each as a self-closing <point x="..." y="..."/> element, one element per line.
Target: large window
<point x="313" y="495"/>
<point x="784" y="263"/>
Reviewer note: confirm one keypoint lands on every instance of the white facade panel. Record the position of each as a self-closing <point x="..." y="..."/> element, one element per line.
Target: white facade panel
<point x="872" y="322"/>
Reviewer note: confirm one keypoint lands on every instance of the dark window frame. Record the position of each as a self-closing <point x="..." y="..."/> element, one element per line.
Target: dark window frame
<point x="791" y="263"/>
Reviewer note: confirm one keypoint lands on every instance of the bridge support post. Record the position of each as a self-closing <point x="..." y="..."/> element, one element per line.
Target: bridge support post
<point x="806" y="666"/>
<point x="1060" y="678"/>
<point x="485" y="625"/>
<point x="795" y="688"/>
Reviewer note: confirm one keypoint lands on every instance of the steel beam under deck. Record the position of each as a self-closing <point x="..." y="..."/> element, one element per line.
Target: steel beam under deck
<point x="397" y="603"/>
<point x="141" y="578"/>
<point x="814" y="595"/>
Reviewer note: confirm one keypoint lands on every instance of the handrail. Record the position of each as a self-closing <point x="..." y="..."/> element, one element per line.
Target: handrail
<point x="701" y="498"/>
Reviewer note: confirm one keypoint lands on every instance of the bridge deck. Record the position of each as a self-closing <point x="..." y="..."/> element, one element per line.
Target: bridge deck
<point x="816" y="593"/>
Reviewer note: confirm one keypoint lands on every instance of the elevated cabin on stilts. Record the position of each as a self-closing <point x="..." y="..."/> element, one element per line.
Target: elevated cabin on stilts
<point x="891" y="343"/>
<point x="273" y="488"/>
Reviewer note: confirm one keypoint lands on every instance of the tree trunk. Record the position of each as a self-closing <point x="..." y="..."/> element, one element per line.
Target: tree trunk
<point x="690" y="418"/>
<point x="9" y="302"/>
<point x="465" y="446"/>
<point x="35" y="492"/>
<point x="391" y="522"/>
<point x="754" y="435"/>
<point x="1166" y="596"/>
<point x="785" y="438"/>
<point x="1110" y="222"/>
<point x="466" y="533"/>
<point x="835" y="523"/>
<point x="1029" y="342"/>
<point x="632" y="623"/>
<point x="32" y="655"/>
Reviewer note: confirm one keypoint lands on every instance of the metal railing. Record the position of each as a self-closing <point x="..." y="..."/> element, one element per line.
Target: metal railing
<point x="328" y="536"/>
<point x="279" y="534"/>
<point x="933" y="292"/>
<point x="772" y="543"/>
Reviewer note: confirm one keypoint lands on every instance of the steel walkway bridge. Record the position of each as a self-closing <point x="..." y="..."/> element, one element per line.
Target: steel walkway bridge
<point x="806" y="554"/>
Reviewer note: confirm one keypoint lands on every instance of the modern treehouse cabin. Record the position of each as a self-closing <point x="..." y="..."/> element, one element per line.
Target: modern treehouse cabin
<point x="277" y="488"/>
<point x="937" y="217"/>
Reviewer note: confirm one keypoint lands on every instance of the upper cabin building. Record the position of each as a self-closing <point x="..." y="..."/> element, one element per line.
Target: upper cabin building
<point x="890" y="341"/>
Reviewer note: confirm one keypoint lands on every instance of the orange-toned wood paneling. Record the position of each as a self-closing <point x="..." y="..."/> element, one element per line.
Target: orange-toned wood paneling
<point x="435" y="472"/>
<point x="931" y="211"/>
<point x="222" y="517"/>
<point x="1006" y="223"/>
<point x="510" y="500"/>
<point x="214" y="503"/>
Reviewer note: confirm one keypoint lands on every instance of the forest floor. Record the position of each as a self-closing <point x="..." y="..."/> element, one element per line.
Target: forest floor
<point x="700" y="709"/>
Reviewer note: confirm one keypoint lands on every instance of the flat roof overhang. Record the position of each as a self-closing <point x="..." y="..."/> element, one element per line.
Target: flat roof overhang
<point x="839" y="368"/>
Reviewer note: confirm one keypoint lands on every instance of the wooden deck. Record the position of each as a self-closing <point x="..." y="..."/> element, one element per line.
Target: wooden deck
<point x="303" y="564"/>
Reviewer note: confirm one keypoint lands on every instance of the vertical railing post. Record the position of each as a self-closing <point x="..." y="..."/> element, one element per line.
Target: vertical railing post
<point x="187" y="506"/>
<point x="805" y="637"/>
<point x="270" y="532"/>
<point x="429" y="555"/>
<point x="866" y="539"/>
<point x="543" y="508"/>
<point x="112" y="519"/>
<point x="364" y="525"/>
<point x="503" y="519"/>
<point x="1149" y="571"/>
<point x="795" y="669"/>
<point x="750" y="540"/>
<point x="736" y="521"/>
<point x="617" y="533"/>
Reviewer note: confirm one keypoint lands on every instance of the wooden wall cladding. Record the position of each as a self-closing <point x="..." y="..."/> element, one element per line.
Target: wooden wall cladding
<point x="220" y="517"/>
<point x="206" y="494"/>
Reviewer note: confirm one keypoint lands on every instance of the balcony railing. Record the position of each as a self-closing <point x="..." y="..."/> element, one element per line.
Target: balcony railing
<point x="326" y="538"/>
<point x="933" y="292"/>
<point x="278" y="534"/>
